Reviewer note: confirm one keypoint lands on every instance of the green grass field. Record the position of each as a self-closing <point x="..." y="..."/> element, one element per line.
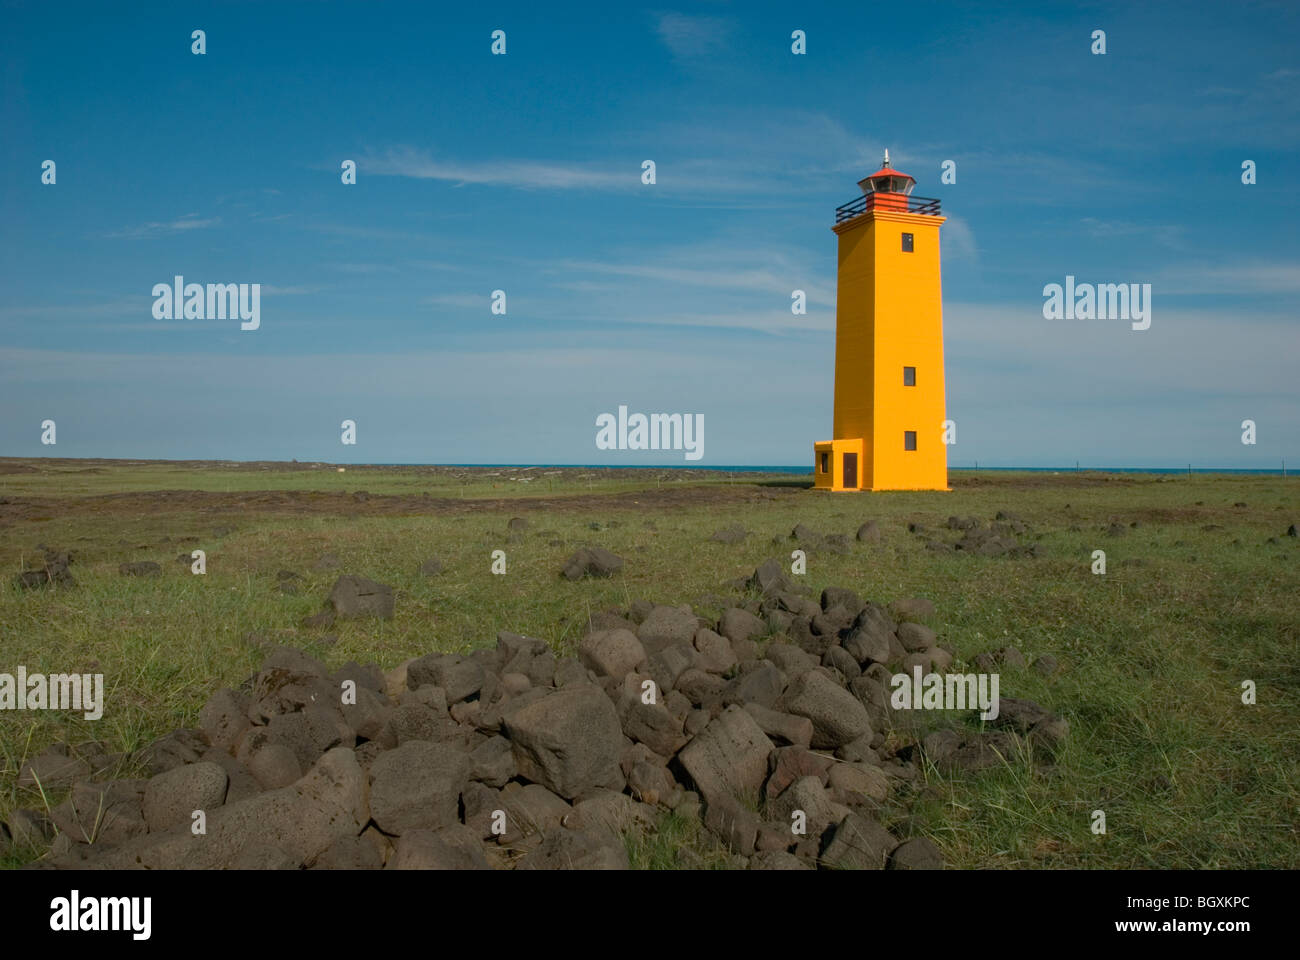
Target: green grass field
<point x="1153" y="653"/>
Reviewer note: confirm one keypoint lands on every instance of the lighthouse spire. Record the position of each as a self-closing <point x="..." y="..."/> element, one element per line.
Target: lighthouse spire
<point x="886" y="163"/>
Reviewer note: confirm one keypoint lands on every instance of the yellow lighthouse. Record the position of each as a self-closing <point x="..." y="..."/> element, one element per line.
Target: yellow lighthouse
<point x="889" y="397"/>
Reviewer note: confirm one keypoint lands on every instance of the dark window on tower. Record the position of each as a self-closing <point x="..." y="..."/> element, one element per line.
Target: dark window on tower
<point x="907" y="243"/>
<point x="909" y="439"/>
<point x="826" y="463"/>
<point x="909" y="376"/>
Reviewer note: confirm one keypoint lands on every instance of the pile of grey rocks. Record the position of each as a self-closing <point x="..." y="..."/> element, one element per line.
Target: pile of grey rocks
<point x="1006" y="535"/>
<point x="771" y="725"/>
<point x="51" y="571"/>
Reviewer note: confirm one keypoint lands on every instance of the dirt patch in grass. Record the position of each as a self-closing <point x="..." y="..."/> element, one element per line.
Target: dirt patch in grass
<point x="973" y="481"/>
<point x="348" y="505"/>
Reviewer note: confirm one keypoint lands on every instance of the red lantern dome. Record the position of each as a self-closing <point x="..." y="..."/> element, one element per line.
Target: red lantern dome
<point x="887" y="188"/>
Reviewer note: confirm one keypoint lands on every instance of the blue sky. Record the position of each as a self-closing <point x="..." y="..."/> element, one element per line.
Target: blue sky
<point x="523" y="173"/>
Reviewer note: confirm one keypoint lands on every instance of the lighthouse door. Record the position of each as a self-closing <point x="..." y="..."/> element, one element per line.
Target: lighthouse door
<point x="851" y="470"/>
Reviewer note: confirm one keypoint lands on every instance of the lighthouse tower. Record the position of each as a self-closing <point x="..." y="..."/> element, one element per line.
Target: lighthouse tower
<point x="889" y="394"/>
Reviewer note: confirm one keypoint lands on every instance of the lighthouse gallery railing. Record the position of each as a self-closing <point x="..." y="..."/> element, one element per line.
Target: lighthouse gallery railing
<point x="886" y="201"/>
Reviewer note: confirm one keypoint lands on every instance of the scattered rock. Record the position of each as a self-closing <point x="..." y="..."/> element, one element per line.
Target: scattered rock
<point x="666" y="627"/>
<point x="851" y="783"/>
<point x="715" y="651"/>
<point x="777" y="860"/>
<point x="759" y="681"/>
<point x="858" y="843"/>
<point x="805" y="535"/>
<point x="458" y="677"/>
<point x="176" y="748"/>
<point x="53" y="570"/>
<point x="783" y="726"/>
<point x="914" y="637"/>
<point x="417" y="786"/>
<point x="913" y="608"/>
<point x="740" y="625"/>
<point x="224" y="718"/>
<point x="735" y="825"/>
<point x="808" y="795"/>
<point x="569" y="850"/>
<point x="353" y="596"/>
<point x="171" y="798"/>
<point x="29" y="830"/>
<point x="916" y="854"/>
<point x="139" y="568"/>
<point x="728" y="761"/>
<point x="611" y="653"/>
<point x="301" y="822"/>
<point x="57" y="767"/>
<point x="568" y="741"/>
<point x="769" y="578"/>
<point x="106" y="813"/>
<point x="444" y="849"/>
<point x="869" y="532"/>
<point x="837" y="716"/>
<point x="591" y="562"/>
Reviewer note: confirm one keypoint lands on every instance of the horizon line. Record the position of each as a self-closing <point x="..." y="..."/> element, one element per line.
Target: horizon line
<point x="1280" y="470"/>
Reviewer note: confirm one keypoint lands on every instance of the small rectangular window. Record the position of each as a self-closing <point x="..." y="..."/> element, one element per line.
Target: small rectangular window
<point x="909" y="439"/>
<point x="826" y="462"/>
<point x="909" y="376"/>
<point x="907" y="243"/>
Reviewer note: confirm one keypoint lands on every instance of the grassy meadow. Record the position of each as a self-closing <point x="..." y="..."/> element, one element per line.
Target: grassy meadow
<point x="1199" y="596"/>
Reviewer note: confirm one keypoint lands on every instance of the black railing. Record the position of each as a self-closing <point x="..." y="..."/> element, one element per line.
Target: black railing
<point x="886" y="201"/>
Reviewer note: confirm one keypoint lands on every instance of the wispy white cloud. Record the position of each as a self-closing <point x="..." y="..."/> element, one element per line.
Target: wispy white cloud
<point x="368" y="233"/>
<point x="743" y="270"/>
<point x="159" y="228"/>
<point x="1168" y="234"/>
<point x="1232" y="278"/>
<point x="94" y="310"/>
<point x="407" y="162"/>
<point x="364" y="267"/>
<point x="762" y="156"/>
<point x="957" y="240"/>
<point x="773" y="321"/>
<point x="692" y="37"/>
<point x="471" y="301"/>
<point x="271" y="290"/>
